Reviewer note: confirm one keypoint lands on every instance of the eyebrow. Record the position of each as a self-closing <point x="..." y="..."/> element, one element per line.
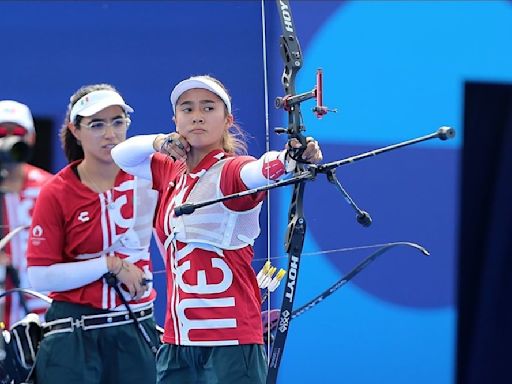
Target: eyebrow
<point x="115" y="117"/>
<point x="206" y="101"/>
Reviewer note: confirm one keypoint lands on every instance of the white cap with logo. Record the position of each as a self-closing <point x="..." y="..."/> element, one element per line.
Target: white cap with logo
<point x="13" y="112"/>
<point x="96" y="101"/>
<point x="202" y="83"/>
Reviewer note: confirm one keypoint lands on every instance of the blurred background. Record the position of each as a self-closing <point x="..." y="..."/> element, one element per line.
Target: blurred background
<point x="395" y="70"/>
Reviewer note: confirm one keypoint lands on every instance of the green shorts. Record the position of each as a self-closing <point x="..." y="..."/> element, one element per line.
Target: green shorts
<point x="233" y="364"/>
<point x="115" y="354"/>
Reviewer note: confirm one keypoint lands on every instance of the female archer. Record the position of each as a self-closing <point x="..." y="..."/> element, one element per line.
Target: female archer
<point x="92" y="219"/>
<point x="213" y="330"/>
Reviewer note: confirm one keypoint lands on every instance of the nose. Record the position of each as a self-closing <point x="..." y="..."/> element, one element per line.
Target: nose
<point x="109" y="131"/>
<point x="198" y="120"/>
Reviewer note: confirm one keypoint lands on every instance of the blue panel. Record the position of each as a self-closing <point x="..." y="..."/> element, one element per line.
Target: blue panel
<point x="400" y="309"/>
<point x="396" y="69"/>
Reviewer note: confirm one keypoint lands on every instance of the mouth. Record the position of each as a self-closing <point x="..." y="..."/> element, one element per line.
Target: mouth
<point x="108" y="146"/>
<point x="198" y="130"/>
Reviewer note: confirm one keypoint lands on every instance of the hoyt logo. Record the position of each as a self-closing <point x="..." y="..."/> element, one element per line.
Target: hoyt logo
<point x="287" y="17"/>
<point x="292" y="277"/>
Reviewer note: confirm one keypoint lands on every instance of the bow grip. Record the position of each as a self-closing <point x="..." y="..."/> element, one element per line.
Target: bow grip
<point x="296" y="153"/>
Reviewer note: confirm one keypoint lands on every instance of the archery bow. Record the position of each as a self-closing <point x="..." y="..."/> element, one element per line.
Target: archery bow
<point x="296" y="229"/>
<point x="294" y="240"/>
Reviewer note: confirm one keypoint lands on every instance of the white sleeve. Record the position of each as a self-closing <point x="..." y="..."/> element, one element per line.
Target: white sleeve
<point x="66" y="276"/>
<point x="268" y="168"/>
<point x="134" y="155"/>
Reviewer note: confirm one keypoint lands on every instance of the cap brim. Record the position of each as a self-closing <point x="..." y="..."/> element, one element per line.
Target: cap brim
<point x="194" y="83"/>
<point x="95" y="108"/>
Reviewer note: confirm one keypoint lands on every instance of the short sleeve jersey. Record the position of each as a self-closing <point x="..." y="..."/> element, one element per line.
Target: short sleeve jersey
<point x="72" y="223"/>
<point x="213" y="296"/>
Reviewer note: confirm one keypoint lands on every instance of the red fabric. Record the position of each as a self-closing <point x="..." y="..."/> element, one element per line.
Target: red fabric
<point x="273" y="169"/>
<point x="204" y="288"/>
<point x="68" y="220"/>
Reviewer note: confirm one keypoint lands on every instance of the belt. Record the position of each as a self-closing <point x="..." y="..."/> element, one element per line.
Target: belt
<point x="88" y="322"/>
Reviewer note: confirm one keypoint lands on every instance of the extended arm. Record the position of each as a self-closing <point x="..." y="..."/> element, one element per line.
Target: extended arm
<point x="273" y="165"/>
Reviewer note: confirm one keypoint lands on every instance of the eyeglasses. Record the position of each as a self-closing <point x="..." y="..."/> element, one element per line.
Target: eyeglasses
<point x="12" y="130"/>
<point x="99" y="127"/>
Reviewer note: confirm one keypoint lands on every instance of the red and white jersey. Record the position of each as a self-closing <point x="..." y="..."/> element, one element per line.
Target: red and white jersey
<point x="213" y="296"/>
<point x="17" y="211"/>
<point x="71" y="223"/>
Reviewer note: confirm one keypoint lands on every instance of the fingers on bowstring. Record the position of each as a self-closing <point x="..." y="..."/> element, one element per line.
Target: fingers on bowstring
<point x="312" y="153"/>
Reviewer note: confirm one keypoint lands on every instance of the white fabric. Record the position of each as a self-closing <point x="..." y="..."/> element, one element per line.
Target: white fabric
<point x="13" y="112"/>
<point x="134" y="155"/>
<point x="63" y="277"/>
<point x="252" y="173"/>
<point x="216" y="224"/>
<point x="96" y="101"/>
<point x="200" y="82"/>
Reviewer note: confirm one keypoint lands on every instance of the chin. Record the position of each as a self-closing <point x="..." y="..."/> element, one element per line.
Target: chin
<point x="106" y="158"/>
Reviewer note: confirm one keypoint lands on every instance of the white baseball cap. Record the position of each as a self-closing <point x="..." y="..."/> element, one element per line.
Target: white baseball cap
<point x="96" y="101"/>
<point x="13" y="112"/>
<point x="202" y="83"/>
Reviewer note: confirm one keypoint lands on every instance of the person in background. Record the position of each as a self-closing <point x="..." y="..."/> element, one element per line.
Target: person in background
<point x="213" y="330"/>
<point x="20" y="184"/>
<point x="89" y="246"/>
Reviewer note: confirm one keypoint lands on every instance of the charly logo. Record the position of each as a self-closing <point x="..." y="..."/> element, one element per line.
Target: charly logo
<point x="37" y="231"/>
<point x="84" y="216"/>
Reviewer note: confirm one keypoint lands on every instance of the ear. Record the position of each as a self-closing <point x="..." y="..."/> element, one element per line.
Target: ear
<point x="229" y="120"/>
<point x="75" y="131"/>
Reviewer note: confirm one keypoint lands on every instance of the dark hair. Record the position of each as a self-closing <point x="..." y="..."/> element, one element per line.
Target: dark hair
<point x="72" y="148"/>
<point x="234" y="140"/>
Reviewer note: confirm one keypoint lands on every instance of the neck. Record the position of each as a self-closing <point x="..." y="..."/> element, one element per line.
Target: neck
<point x="193" y="159"/>
<point x="98" y="177"/>
<point x="196" y="155"/>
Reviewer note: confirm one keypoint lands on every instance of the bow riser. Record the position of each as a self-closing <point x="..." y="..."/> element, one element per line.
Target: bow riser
<point x="296" y="231"/>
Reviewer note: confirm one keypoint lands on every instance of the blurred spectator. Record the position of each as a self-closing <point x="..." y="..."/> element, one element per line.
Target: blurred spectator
<point x="19" y="187"/>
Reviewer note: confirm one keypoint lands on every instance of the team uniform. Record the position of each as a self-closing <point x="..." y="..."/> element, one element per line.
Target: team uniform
<point x="17" y="212"/>
<point x="72" y="223"/>
<point x="213" y="295"/>
<point x="213" y="319"/>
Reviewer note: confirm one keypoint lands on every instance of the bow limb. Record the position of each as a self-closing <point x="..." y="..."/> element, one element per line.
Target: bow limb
<point x="7" y="238"/>
<point x="274" y="323"/>
<point x="28" y="292"/>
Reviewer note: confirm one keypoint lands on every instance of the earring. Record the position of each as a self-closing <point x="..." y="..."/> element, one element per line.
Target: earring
<point x="78" y="142"/>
